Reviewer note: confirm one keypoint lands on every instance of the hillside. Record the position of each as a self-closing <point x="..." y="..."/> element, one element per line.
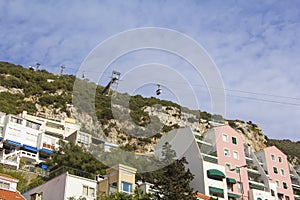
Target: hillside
<point x="43" y="92"/>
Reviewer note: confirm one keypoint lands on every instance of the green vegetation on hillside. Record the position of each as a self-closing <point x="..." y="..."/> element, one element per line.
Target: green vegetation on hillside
<point x="33" y="87"/>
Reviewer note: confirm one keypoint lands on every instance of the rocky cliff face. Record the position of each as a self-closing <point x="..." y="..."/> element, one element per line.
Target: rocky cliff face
<point x="115" y="130"/>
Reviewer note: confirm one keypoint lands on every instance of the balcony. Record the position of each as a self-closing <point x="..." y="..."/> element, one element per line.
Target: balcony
<point x="29" y="155"/>
<point x="256" y="184"/>
<point x="210" y="157"/>
<point x="54" y="131"/>
<point x="13" y="163"/>
<point x="11" y="159"/>
<point x="296" y="185"/>
<point x="253" y="170"/>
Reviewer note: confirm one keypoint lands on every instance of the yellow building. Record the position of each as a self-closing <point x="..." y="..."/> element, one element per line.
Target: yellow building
<point x="120" y="178"/>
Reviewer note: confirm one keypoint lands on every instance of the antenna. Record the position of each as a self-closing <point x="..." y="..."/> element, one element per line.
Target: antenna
<point x="62" y="69"/>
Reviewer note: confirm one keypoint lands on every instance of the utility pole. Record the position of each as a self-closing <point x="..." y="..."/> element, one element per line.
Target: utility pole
<point x="238" y="170"/>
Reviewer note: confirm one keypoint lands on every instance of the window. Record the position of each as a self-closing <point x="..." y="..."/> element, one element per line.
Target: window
<point x="85" y="190"/>
<point x="228" y="167"/>
<point x="226" y="153"/>
<point x="272" y="193"/>
<point x="275" y="170"/>
<point x="4" y="185"/>
<point x="279" y="159"/>
<point x="235" y="155"/>
<point x="287" y="198"/>
<point x="88" y="191"/>
<point x="234" y="140"/>
<point x="91" y="192"/>
<point x="126" y="187"/>
<point x="273" y="157"/>
<point x="282" y="172"/>
<point x="277" y="183"/>
<point x="225" y="138"/>
<point x="16" y="120"/>
<point x="33" y="125"/>
<point x="113" y="187"/>
<point x="230" y="187"/>
<point x="284" y="185"/>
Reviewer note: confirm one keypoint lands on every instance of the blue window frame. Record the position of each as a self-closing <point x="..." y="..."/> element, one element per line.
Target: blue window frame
<point x="126" y="187"/>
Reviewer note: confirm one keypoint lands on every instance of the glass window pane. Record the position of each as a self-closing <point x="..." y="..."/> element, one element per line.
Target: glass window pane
<point x="91" y="192"/>
<point x="234" y="140"/>
<point x="85" y="190"/>
<point x="126" y="187"/>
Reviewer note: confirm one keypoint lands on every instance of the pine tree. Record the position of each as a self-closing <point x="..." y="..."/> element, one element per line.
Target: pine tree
<point x="172" y="181"/>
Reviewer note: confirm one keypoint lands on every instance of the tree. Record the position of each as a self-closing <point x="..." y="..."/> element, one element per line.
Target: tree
<point x="75" y="156"/>
<point x="173" y="180"/>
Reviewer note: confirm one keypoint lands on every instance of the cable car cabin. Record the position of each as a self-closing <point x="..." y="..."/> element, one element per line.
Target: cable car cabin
<point x="158" y="91"/>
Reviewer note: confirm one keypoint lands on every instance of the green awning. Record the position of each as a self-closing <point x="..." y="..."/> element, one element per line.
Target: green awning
<point x="231" y="180"/>
<point x="216" y="190"/>
<point x="235" y="196"/>
<point x="215" y="173"/>
<point x="259" y="198"/>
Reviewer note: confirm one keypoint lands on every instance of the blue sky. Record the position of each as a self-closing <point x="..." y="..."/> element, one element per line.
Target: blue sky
<point x="255" y="46"/>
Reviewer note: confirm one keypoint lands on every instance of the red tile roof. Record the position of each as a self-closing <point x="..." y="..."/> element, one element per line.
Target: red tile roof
<point x="202" y="196"/>
<point x="10" y="195"/>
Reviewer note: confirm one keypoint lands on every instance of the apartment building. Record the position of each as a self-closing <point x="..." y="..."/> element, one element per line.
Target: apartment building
<point x="226" y="168"/>
<point x="31" y="138"/>
<point x="209" y="177"/>
<point x="34" y="138"/>
<point x="295" y="179"/>
<point x="277" y="168"/>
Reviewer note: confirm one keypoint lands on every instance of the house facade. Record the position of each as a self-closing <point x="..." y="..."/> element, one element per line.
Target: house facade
<point x="63" y="187"/>
<point x="8" y="188"/>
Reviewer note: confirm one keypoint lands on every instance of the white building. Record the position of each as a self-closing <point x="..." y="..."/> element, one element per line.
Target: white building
<point x="63" y="187"/>
<point x="31" y="138"/>
<point x="8" y="188"/>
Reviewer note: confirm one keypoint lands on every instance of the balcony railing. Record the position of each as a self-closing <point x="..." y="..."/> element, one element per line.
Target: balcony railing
<point x="70" y="170"/>
<point x="256" y="185"/>
<point x="210" y="157"/>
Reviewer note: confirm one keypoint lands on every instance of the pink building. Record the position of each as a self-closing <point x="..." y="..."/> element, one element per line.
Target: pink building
<point x="276" y="165"/>
<point x="245" y="176"/>
<point x="230" y="152"/>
